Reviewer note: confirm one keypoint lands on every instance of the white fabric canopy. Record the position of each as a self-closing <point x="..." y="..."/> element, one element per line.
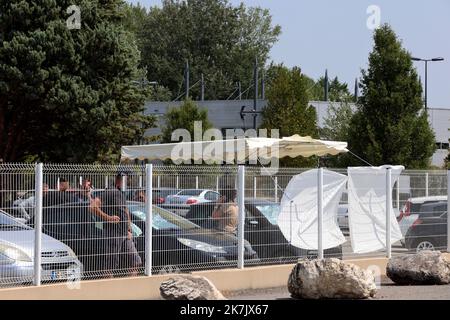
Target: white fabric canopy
<point x="298" y="210"/>
<point x="237" y="149"/>
<point x="367" y="208"/>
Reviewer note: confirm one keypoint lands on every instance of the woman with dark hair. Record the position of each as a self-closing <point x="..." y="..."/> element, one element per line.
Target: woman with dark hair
<point x="225" y="214"/>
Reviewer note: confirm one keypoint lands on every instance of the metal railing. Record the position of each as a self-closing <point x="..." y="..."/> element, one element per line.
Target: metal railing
<point x="67" y="222"/>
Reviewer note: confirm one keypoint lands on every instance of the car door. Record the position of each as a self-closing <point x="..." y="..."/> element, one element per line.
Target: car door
<point x="200" y="214"/>
<point x="440" y="226"/>
<point x="266" y="239"/>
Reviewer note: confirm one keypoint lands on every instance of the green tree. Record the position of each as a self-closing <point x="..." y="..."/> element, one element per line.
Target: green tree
<point x="390" y="125"/>
<point x="184" y="117"/>
<point x="337" y="90"/>
<point x="336" y="127"/>
<point x="134" y="17"/>
<point x="219" y="40"/>
<point x="288" y="110"/>
<point x="67" y="95"/>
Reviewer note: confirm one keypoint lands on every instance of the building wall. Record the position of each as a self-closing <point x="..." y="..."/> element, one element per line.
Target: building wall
<point x="225" y="114"/>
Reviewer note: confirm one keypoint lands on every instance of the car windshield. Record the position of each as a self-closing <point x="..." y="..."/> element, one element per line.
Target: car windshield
<point x="9" y="223"/>
<point x="191" y="192"/>
<point x="270" y="211"/>
<point x="162" y="219"/>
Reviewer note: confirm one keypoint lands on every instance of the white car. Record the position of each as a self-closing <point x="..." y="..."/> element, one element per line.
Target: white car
<point x="192" y="196"/>
<point x="59" y="262"/>
<point x="411" y="209"/>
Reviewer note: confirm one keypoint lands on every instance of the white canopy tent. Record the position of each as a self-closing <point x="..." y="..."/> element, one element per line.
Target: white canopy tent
<point x="236" y="149"/>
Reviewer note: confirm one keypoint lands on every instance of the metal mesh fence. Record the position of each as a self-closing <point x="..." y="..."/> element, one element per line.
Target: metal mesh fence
<point x="94" y="220"/>
<point x="16" y="239"/>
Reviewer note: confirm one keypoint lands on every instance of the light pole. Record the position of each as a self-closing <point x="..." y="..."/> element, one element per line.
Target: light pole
<point x="426" y="74"/>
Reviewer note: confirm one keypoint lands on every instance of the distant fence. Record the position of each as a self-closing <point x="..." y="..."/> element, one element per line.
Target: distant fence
<point x="64" y="222"/>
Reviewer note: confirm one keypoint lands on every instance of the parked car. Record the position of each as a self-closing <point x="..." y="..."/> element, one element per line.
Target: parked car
<point x="59" y="262"/>
<point x="181" y="244"/>
<point x="176" y="241"/>
<point x="159" y="195"/>
<point x="343" y="217"/>
<point x="429" y="230"/>
<point x="261" y="231"/>
<point x="192" y="196"/>
<point x="411" y="209"/>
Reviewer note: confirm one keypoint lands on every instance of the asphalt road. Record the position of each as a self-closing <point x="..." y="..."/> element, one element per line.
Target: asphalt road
<point x="387" y="291"/>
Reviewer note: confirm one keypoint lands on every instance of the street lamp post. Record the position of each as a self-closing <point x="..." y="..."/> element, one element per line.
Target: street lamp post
<point x="426" y="74"/>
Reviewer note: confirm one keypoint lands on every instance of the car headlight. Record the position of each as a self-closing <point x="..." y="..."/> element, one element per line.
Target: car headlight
<point x="202" y="246"/>
<point x="14" y="253"/>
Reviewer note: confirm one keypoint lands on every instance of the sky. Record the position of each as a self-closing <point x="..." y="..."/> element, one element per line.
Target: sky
<point x="335" y="35"/>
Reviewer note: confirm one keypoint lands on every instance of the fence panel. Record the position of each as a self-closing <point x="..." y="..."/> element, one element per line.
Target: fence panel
<point x="16" y="238"/>
<point x="206" y="238"/>
<point x="94" y="219"/>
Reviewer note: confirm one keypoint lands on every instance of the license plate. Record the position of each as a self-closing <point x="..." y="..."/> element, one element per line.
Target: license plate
<point x="57" y="275"/>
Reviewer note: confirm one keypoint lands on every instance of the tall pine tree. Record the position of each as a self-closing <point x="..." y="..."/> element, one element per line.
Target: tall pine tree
<point x="67" y="94"/>
<point x="391" y="125"/>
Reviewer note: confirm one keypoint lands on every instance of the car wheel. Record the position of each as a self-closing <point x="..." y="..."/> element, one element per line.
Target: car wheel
<point x="169" y="269"/>
<point x="424" y="245"/>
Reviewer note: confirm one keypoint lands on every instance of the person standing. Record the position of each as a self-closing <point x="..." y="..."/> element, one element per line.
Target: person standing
<point x="111" y="206"/>
<point x="85" y="194"/>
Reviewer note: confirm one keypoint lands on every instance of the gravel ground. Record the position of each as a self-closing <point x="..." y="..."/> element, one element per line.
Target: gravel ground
<point x="387" y="291"/>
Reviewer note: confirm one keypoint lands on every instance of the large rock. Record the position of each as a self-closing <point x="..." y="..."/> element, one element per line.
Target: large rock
<point x="330" y="278"/>
<point x="188" y="287"/>
<point x="425" y="267"/>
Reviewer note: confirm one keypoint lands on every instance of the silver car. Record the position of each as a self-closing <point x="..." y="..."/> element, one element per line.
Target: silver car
<point x="192" y="196"/>
<point x="58" y="261"/>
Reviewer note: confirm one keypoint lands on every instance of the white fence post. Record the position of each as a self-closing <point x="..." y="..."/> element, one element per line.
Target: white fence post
<point x="448" y="209"/>
<point x="106" y="182"/>
<point x="177" y="182"/>
<point x="398" y="194"/>
<point x="124" y="183"/>
<point x="196" y="182"/>
<point x="148" y="218"/>
<point x="241" y="206"/>
<point x="320" y="213"/>
<point x="276" y="188"/>
<point x="38" y="224"/>
<point x="254" y="187"/>
<point x="426" y="185"/>
<point x="388" y="211"/>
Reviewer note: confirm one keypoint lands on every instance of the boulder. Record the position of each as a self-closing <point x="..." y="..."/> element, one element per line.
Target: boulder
<point x="332" y="279"/>
<point x="188" y="287"/>
<point x="424" y="267"/>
